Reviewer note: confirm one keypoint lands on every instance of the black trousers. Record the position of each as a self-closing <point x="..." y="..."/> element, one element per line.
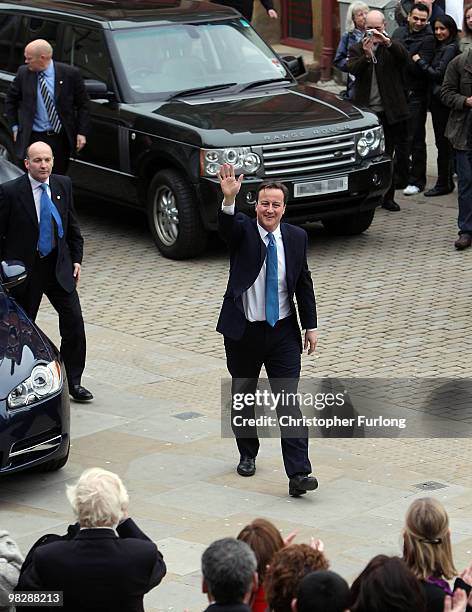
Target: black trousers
<point x="42" y="280"/>
<point x="278" y="349"/>
<point x="415" y="152"/>
<point x="395" y="138"/>
<point x="440" y="115"/>
<point x="59" y="144"/>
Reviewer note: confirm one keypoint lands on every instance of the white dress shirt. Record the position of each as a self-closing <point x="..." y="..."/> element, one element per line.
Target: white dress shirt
<point x="254" y="297"/>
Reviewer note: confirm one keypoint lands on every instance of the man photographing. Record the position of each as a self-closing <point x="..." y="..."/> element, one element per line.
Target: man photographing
<point x="378" y="62"/>
<point x="258" y="317"/>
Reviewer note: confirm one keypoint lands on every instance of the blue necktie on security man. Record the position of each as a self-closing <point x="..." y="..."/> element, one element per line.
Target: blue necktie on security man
<point x="48" y="212"/>
<point x="272" y="282"/>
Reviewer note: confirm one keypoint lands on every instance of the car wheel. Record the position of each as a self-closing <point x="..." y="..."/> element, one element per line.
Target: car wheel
<point x="349" y="225"/>
<point x="53" y="464"/>
<point x="6" y="148"/>
<point x="173" y="216"/>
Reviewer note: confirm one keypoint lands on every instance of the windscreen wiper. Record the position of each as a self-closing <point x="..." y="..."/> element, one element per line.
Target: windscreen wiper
<point x="197" y="90"/>
<point x="264" y="82"/>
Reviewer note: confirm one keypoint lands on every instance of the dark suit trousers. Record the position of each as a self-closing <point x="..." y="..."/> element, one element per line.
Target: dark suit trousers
<point x="42" y="280"/>
<point x="278" y="349"/>
<point x="418" y="107"/>
<point x="395" y="136"/>
<point x="60" y="148"/>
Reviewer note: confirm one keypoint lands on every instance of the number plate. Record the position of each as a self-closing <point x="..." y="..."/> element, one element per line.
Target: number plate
<point x="331" y="185"/>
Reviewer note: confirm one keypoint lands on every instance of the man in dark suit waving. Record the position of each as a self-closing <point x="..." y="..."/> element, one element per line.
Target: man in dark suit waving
<point x="38" y="226"/>
<point x="47" y="102"/>
<point x="259" y="322"/>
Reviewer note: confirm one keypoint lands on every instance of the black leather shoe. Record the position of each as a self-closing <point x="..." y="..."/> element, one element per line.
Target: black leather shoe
<point x="300" y="484"/>
<point x="246" y="466"/>
<point x="80" y="394"/>
<point x="463" y="242"/>
<point x="391" y="205"/>
<point x="437" y="191"/>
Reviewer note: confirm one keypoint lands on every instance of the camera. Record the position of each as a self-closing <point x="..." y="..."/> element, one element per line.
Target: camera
<point x="369" y="33"/>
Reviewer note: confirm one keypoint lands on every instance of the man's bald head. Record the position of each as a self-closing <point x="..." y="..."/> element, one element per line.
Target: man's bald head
<point x="375" y="20"/>
<point x="38" y="55"/>
<point x="39" y="161"/>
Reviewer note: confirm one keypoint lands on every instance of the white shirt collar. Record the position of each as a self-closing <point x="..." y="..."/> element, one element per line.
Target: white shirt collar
<point x="35" y="184"/>
<point x="263" y="232"/>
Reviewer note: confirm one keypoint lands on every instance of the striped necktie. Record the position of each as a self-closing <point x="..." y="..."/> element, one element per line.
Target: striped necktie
<point x="49" y="104"/>
<point x="272" y="284"/>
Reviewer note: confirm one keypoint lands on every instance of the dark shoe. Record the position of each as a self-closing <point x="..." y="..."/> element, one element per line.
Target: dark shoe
<point x="246" y="466"/>
<point x="463" y="242"/>
<point x="300" y="484"/>
<point x="80" y="394"/>
<point x="391" y="205"/>
<point x="437" y="191"/>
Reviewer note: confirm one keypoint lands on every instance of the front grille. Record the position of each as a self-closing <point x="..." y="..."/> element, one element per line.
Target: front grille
<point x="309" y="155"/>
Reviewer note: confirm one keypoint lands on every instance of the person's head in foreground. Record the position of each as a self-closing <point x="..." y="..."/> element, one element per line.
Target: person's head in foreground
<point x="427" y="540"/>
<point x="289" y="566"/>
<point x="265" y="540"/>
<point x="387" y="585"/>
<point x="229" y="570"/>
<point x="99" y="499"/>
<point x="323" y="591"/>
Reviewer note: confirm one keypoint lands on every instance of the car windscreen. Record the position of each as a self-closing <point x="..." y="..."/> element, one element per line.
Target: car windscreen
<point x="158" y="61"/>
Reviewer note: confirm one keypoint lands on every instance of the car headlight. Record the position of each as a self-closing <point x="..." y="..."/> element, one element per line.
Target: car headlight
<point x="45" y="380"/>
<point x="243" y="159"/>
<point x="371" y="142"/>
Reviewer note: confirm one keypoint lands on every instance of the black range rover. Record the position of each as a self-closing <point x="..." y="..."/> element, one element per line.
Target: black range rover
<point x="180" y="86"/>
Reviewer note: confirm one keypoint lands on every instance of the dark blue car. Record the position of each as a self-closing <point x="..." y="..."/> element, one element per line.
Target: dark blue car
<point x="34" y="398"/>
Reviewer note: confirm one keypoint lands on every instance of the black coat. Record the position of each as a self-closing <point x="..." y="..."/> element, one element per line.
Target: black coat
<point x="70" y="96"/>
<point x="245" y="7"/>
<point x="97" y="570"/>
<point x="435" y="595"/>
<point x="436" y="70"/>
<point x="231" y="607"/>
<point x="19" y="228"/>
<point x="247" y="254"/>
<point x="423" y="43"/>
<point x="389" y="72"/>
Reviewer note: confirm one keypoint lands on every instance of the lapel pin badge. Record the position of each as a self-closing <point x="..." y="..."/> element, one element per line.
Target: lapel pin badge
<point x="58" y="197"/>
<point x="60" y="82"/>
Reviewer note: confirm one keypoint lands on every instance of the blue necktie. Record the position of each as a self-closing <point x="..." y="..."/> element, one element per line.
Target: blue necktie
<point x="272" y="283"/>
<point x="47" y="212"/>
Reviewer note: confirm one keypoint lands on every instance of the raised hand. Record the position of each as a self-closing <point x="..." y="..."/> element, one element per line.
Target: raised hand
<point x="230" y="185"/>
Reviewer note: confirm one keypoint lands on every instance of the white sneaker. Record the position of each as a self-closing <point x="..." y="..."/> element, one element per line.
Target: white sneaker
<point x="411" y="190"/>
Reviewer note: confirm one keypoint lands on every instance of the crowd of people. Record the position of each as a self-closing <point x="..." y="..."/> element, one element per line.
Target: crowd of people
<point x="422" y="66"/>
<point x="105" y="562"/>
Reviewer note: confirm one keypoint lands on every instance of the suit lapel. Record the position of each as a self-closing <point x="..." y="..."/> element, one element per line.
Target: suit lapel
<point x="25" y="193"/>
<point x="261" y="246"/>
<point x="58" y="81"/>
<point x="57" y="195"/>
<point x="288" y="251"/>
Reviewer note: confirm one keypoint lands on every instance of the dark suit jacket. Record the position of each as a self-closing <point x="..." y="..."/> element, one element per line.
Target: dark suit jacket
<point x="247" y="254"/>
<point x="71" y="98"/>
<point x="97" y="570"/>
<point x="19" y="228"/>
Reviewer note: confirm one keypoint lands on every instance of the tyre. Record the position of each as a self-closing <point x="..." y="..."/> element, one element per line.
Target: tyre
<point x="173" y="216"/>
<point x="6" y="148"/>
<point x="53" y="464"/>
<point x="349" y="225"/>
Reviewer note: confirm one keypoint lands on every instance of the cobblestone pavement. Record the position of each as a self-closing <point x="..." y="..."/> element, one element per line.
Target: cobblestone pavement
<point x="394" y="302"/>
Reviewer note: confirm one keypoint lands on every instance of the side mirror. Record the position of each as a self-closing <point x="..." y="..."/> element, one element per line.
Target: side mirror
<point x="13" y="273"/>
<point x="96" y="89"/>
<point x="296" y="65"/>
